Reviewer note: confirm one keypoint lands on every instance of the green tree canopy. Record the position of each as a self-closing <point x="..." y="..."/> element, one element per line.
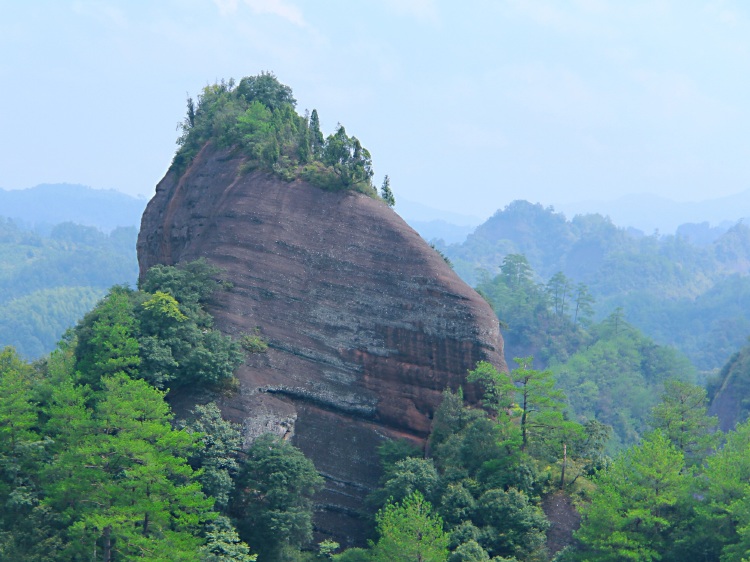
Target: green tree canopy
<point x="272" y="502"/>
<point x="633" y="509"/>
<point x="120" y="477"/>
<point x="410" y="531"/>
<point x="257" y="118"/>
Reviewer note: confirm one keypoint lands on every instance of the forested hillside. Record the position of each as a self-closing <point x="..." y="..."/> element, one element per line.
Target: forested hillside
<point x="49" y="281"/>
<point x="609" y="370"/>
<point x="689" y="295"/>
<point x="94" y="466"/>
<point x="730" y="390"/>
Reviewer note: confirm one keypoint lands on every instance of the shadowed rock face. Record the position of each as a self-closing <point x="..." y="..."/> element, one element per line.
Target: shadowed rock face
<point x="730" y="401"/>
<point x="366" y="324"/>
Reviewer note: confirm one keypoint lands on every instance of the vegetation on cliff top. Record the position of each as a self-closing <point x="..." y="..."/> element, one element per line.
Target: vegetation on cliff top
<point x="257" y="117"/>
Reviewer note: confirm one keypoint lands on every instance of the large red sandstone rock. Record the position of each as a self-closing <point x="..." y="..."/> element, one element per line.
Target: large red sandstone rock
<point x="366" y="324"/>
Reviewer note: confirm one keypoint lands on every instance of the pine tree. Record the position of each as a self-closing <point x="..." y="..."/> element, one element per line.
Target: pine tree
<point x="120" y="477"/>
<point x="385" y="192"/>
<point x="409" y="531"/>
<point x="632" y="510"/>
<point x="316" y="135"/>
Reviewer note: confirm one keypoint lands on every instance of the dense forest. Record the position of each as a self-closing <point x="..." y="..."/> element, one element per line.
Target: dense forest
<point x="680" y="292"/>
<point x="48" y="281"/>
<point x="94" y="464"/>
<point x="609" y="370"/>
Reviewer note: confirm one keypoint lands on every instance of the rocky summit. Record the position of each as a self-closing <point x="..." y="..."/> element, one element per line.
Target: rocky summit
<point x="366" y="324"/>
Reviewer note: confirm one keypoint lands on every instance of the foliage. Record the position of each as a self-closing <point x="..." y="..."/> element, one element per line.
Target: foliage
<point x="33" y="323"/>
<point x="609" y="371"/>
<point x="410" y="531"/>
<point x="258" y="119"/>
<point x="720" y="526"/>
<point x="90" y="465"/>
<point x="682" y="415"/>
<point x="272" y="502"/>
<point x="136" y="494"/>
<point x="217" y="458"/>
<point x="98" y="472"/>
<point x="511" y="525"/>
<point x="529" y="395"/>
<point x="22" y="452"/>
<point x="254" y="343"/>
<point x="160" y="333"/>
<point x="407" y="476"/>
<point x="544" y="320"/>
<point x="107" y="338"/>
<point x="679" y="293"/>
<point x="632" y="511"/>
<point x="385" y="192"/>
<point x="50" y="279"/>
<point x="223" y="544"/>
<point x="618" y="378"/>
<point x="480" y="480"/>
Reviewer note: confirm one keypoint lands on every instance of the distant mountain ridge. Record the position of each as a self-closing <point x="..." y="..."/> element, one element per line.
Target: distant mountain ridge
<point x="650" y="212"/>
<point x="50" y="204"/>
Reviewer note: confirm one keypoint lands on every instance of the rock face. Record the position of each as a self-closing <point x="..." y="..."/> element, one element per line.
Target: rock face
<point x="366" y="324"/>
<point x="730" y="400"/>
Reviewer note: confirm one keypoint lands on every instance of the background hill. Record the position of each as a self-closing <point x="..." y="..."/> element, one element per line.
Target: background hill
<point x="45" y="205"/>
<point x="48" y="281"/>
<point x="436" y="224"/>
<point x="689" y="290"/>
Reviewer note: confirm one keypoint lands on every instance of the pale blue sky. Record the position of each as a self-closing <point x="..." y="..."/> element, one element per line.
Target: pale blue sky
<point x="466" y="105"/>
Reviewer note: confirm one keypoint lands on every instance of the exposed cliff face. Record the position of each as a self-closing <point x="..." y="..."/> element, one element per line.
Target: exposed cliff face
<point x="366" y="324"/>
<point x="730" y="400"/>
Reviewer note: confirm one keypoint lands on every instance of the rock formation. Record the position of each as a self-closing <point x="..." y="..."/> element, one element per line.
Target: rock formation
<point x="366" y="324"/>
<point x="730" y="395"/>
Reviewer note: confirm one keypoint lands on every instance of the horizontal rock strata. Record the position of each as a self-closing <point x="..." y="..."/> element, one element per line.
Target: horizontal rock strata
<point x="366" y="324"/>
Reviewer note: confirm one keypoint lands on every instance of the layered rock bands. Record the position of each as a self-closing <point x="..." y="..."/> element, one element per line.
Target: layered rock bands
<point x="366" y="324"/>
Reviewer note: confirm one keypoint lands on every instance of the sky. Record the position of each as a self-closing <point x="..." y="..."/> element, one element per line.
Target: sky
<point x="467" y="105"/>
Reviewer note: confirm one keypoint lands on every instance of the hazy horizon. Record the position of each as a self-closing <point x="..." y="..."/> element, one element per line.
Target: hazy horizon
<point x="467" y="107"/>
<point x="640" y="211"/>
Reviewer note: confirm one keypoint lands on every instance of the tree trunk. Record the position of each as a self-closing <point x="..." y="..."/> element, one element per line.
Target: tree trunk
<point x="107" y="550"/>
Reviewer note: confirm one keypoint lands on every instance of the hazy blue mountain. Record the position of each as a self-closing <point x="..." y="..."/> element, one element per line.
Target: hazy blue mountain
<point x="414" y="211"/>
<point x="441" y="230"/>
<point x="50" y="204"/>
<point x="649" y="212"/>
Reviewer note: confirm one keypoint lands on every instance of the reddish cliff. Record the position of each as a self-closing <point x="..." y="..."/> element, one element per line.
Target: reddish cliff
<point x="366" y="324"/>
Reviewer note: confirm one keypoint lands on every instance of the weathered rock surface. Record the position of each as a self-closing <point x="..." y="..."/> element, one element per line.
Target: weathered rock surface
<point x="730" y="400"/>
<point x="366" y="324"/>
